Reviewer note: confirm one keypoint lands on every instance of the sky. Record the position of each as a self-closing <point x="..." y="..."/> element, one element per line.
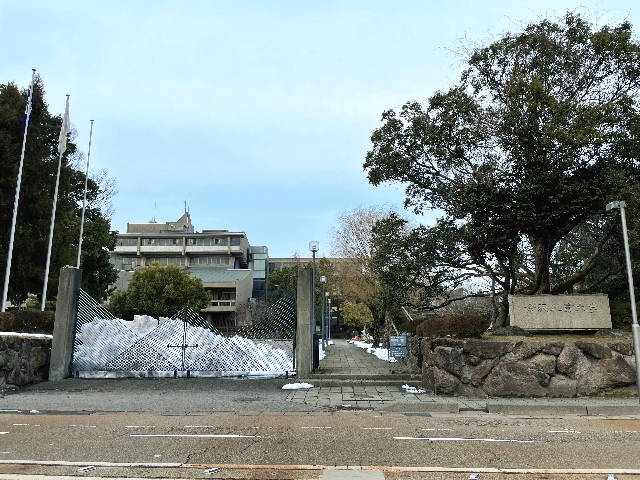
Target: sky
<point x="257" y="114"/>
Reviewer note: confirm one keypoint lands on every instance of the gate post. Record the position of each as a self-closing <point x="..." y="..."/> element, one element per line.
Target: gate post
<point x="65" y="323"/>
<point x="303" y="331"/>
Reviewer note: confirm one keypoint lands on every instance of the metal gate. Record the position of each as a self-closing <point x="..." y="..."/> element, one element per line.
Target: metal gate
<point x="183" y="345"/>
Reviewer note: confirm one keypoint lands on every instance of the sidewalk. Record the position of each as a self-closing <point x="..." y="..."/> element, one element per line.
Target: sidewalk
<point x="355" y="391"/>
<point x="350" y="378"/>
<point x="343" y="359"/>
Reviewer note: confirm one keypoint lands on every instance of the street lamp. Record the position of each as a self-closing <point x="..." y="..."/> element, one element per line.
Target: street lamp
<point x="314" y="247"/>
<point x="635" y="328"/>
<point x="323" y="280"/>
<point x="328" y="319"/>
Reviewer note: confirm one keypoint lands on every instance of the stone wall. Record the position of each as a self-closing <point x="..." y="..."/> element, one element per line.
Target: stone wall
<point x="475" y="368"/>
<point x="23" y="360"/>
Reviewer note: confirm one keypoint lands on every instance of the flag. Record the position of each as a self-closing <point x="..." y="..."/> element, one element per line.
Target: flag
<point x="27" y="110"/>
<point x="65" y="130"/>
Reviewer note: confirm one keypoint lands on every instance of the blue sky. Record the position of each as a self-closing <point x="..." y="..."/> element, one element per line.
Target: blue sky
<point x="258" y="113"/>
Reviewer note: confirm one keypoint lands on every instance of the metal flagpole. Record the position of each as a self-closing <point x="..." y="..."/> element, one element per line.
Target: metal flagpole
<point x="84" y="200"/>
<point x="15" y="203"/>
<point x="62" y="146"/>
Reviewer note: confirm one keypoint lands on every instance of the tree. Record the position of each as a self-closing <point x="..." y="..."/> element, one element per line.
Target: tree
<point x="540" y="133"/>
<point x="160" y="292"/>
<point x="285" y="279"/>
<point x="357" y="315"/>
<point x="36" y="197"/>
<point x="357" y="282"/>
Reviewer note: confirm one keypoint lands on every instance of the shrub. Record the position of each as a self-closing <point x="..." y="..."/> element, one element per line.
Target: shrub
<point x="621" y="316"/>
<point x="27" y="321"/>
<point x="461" y="326"/>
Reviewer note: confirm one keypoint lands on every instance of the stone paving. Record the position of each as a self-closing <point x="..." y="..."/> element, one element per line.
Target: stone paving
<point x="347" y="361"/>
<point x="343" y="358"/>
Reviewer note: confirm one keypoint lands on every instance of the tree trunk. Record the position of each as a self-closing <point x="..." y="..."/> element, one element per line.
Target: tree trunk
<point x="541" y="255"/>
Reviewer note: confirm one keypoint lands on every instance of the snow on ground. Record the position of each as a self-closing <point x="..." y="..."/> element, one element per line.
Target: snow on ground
<point x="411" y="389"/>
<point x="381" y="353"/>
<point x="296" y="386"/>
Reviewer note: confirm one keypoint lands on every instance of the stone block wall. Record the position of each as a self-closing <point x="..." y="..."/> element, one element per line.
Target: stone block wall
<point x="475" y="368"/>
<point x="23" y="360"/>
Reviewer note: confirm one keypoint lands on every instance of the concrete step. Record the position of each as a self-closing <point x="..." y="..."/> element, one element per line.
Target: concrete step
<point x="337" y="380"/>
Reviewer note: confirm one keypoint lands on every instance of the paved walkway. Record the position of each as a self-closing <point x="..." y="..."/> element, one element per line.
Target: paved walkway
<point x="343" y="358"/>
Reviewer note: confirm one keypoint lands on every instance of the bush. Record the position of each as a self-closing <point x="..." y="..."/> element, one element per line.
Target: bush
<point x="621" y="316"/>
<point x="461" y="326"/>
<point x="27" y="321"/>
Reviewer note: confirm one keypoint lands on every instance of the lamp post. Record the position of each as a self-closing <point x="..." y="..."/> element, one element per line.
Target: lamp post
<point x="635" y="328"/>
<point x="328" y="319"/>
<point x="323" y="280"/>
<point x="314" y="247"/>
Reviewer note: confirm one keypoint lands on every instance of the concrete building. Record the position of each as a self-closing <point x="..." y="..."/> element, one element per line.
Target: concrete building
<point x="228" y="266"/>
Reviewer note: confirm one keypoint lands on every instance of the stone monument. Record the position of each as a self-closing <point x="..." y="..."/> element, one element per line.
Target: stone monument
<point x="560" y="312"/>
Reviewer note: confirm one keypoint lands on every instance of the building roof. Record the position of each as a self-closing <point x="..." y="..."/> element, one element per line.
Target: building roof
<point x="219" y="275"/>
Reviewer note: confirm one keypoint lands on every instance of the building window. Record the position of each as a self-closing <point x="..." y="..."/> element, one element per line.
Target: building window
<point x="128" y="242"/>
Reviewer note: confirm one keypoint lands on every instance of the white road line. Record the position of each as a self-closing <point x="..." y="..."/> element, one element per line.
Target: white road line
<point x="438" y="429"/>
<point x="453" y="439"/>
<point x="140" y="426"/>
<point x="199" y="436"/>
<point x="376" y="428"/>
<point x="24" y="425"/>
<point x="316" y="427"/>
<point x="3" y="433"/>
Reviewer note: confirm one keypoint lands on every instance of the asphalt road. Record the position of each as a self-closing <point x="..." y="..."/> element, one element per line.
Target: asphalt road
<point x="172" y="445"/>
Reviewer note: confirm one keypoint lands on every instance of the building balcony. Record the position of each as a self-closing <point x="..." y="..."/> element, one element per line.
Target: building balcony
<point x="221" y="306"/>
<point x="127" y="249"/>
<point x="213" y="249"/>
<point x="159" y="249"/>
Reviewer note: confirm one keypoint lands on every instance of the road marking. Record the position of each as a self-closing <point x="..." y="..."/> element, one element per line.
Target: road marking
<point x="198" y="436"/>
<point x="376" y="428"/>
<point x="24" y="425"/>
<point x="575" y="471"/>
<point x="86" y="426"/>
<point x="140" y="426"/>
<point x="438" y="429"/>
<point x="453" y="439"/>
<point x="3" y="433"/>
<point x="566" y="430"/>
<point x="316" y="427"/>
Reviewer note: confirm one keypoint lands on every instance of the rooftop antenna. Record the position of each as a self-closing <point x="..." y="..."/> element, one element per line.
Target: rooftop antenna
<point x="155" y="206"/>
<point x="189" y="204"/>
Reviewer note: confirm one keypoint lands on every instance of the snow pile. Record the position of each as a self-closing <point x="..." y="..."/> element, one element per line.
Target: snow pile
<point x="296" y="386"/>
<point x="146" y="344"/>
<point x="411" y="389"/>
<point x="381" y="353"/>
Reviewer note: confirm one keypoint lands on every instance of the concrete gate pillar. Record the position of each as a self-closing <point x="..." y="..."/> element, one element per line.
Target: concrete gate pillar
<point x="303" y="331"/>
<point x="65" y="323"/>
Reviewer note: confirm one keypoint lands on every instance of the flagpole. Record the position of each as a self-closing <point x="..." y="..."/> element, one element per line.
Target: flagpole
<point x="84" y="200"/>
<point x="61" y="149"/>
<point x="15" y="203"/>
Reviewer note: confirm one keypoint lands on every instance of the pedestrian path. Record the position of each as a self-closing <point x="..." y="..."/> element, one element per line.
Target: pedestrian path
<point x="343" y="358"/>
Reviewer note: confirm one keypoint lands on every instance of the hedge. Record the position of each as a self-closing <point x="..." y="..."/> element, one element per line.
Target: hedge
<point x="27" y="321"/>
<point x="461" y="326"/>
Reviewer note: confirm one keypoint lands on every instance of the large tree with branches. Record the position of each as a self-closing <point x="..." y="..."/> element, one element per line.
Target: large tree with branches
<point x="522" y="156"/>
